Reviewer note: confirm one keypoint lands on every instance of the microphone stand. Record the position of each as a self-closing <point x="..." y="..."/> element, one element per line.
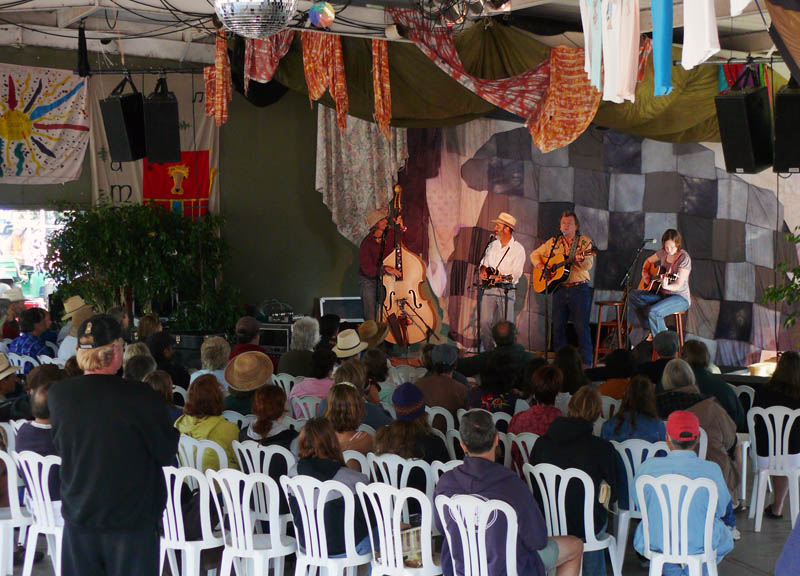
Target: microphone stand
<point x="548" y="298"/>
<point x="480" y="293"/>
<point x="627" y="286"/>
<point x="379" y="277"/>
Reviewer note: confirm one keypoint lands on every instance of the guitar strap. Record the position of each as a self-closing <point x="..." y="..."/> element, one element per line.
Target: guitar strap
<point x="574" y="247"/>
<point x="497" y="267"/>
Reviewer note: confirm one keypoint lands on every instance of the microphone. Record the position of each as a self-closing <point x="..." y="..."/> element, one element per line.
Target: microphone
<point x="649" y="241"/>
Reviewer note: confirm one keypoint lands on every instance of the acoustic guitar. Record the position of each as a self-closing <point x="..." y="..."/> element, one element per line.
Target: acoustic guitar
<point x="556" y="274"/>
<point x="494" y="278"/>
<point x="656" y="276"/>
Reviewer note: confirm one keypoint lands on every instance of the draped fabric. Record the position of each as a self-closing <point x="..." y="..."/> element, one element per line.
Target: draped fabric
<point x="324" y="70"/>
<point x="261" y="56"/>
<point x="381" y="85"/>
<point x="219" y="87"/>
<point x="356" y="169"/>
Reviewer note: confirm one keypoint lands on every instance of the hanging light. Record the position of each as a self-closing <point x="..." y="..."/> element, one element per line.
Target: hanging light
<point x="255" y="18"/>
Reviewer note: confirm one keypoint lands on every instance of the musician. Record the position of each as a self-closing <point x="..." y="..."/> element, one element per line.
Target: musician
<point x="370" y="260"/>
<point x="573" y="299"/>
<point x="648" y="310"/>
<point x="506" y="259"/>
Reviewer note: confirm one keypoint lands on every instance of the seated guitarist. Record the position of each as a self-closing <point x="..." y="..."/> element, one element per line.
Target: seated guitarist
<point x="647" y="308"/>
<point x="572" y="300"/>
<point x="502" y="262"/>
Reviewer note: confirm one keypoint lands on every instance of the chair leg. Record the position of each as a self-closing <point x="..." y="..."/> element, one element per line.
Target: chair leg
<point x="743" y="492"/>
<point x="30" y="551"/>
<point x="191" y="563"/>
<point x="7" y="549"/>
<point x="753" y="495"/>
<point x="794" y="498"/>
<point x="623" y="525"/>
<point x="173" y="562"/>
<point x="227" y="564"/>
<point x="616" y="561"/>
<point x="278" y="565"/>
<point x="656" y="565"/>
<point x="762" y="495"/>
<point x="597" y="336"/>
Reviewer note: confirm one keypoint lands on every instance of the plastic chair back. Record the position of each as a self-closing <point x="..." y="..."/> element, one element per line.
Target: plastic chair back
<point x="387" y="504"/>
<point x="396" y="471"/>
<point x="562" y="401"/>
<point x="51" y="360"/>
<point x="191" y="452"/>
<point x="20" y="360"/>
<point x="610" y="407"/>
<point x="465" y="520"/>
<point x="439" y="468"/>
<point x="363" y="464"/>
<point x="521" y="406"/>
<point x="778" y="421"/>
<point x="294" y="423"/>
<point x="368" y="429"/>
<point x="454" y="445"/>
<point x="524" y="442"/>
<point x="255" y="458"/>
<point x="285" y="381"/>
<point x="17" y="516"/>
<point x="240" y="420"/>
<point x="179" y="393"/>
<point x="633" y="453"/>
<point x="172" y="519"/>
<point x="10" y="434"/>
<point x="435" y="412"/>
<point x="597" y="427"/>
<point x="36" y="472"/>
<point x="702" y="444"/>
<point x="749" y="392"/>
<point x="501" y="421"/>
<point x="305" y="406"/>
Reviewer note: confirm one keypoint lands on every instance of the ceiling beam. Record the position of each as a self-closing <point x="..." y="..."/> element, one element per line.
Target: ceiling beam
<point x="749" y="42"/>
<point x="722" y="9"/>
<point x="66" y="17"/>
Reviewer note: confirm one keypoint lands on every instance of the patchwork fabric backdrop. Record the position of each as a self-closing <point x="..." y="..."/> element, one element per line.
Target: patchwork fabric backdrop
<point x="624" y="189"/>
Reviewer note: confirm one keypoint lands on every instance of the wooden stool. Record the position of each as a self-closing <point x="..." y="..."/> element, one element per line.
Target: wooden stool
<point x="678" y="317"/>
<point x="616" y="323"/>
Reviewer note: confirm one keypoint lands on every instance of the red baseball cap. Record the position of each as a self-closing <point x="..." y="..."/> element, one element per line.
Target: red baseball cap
<point x="683" y="426"/>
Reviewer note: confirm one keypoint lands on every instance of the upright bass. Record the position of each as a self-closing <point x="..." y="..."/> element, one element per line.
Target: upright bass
<point x="410" y="314"/>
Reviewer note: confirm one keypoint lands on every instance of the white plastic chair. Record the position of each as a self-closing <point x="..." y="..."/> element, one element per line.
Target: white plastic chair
<point x="310" y="495"/>
<point x="368" y="429"/>
<point x="633" y="453"/>
<point x="438" y="468"/>
<point x="504" y="443"/>
<point x="178" y="391"/>
<point x="562" y="402"/>
<point x="363" y="464"/>
<point x="461" y="411"/>
<point x="20" y="360"/>
<point x="191" y="452"/>
<point x="524" y="442"/>
<point x="305" y="406"/>
<point x="51" y="360"/>
<point x="234" y="494"/>
<point x="10" y="433"/>
<point x="15" y="516"/>
<point x="435" y="411"/>
<point x="610" y="407"/>
<point x="240" y="420"/>
<point x="454" y="444"/>
<point x="396" y="470"/>
<point x="465" y="520"/>
<point x="498" y="417"/>
<point x="521" y="406"/>
<point x="46" y="513"/>
<point x="53" y="346"/>
<point x="702" y="444"/>
<point x="388" y="504"/>
<point x="597" y="427"/>
<point x="673" y="494"/>
<point x="552" y="483"/>
<point x="743" y="437"/>
<point x="294" y="423"/>
<point x="255" y="458"/>
<point x="174" y="538"/>
<point x="778" y="421"/>
<point x="285" y="381"/>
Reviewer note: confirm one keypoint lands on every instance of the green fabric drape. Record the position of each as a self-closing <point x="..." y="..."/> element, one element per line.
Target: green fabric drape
<point x="423" y="95"/>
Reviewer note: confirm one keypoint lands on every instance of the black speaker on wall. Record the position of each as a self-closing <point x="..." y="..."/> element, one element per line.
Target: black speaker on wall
<point x="123" y="120"/>
<point x="745" y="127"/>
<point x="787" y="129"/>
<point x="162" y="130"/>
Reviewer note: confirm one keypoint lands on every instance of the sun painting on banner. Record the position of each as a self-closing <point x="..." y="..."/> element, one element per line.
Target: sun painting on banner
<point x="42" y="121"/>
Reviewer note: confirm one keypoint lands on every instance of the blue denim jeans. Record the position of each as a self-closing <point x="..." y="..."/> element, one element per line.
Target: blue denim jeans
<point x="573" y="304"/>
<point x="492" y="313"/>
<point x="647" y="311"/>
<point x="369" y="292"/>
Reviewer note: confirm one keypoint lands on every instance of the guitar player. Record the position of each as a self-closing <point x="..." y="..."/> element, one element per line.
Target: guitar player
<point x="502" y="263"/>
<point x="667" y="291"/>
<point x="572" y="300"/>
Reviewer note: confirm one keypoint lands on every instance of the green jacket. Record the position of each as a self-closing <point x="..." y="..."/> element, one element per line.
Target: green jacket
<point x="214" y="428"/>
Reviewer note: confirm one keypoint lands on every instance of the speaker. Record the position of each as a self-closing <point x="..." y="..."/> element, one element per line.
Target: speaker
<point x="161" y="126"/>
<point x="123" y="120"/>
<point x="745" y="127"/>
<point x="787" y="128"/>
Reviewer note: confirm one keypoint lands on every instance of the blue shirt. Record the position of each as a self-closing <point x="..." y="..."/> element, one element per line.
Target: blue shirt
<point x="27" y="344"/>
<point x="686" y="463"/>
<point x="649" y="429"/>
<point x="662" y="46"/>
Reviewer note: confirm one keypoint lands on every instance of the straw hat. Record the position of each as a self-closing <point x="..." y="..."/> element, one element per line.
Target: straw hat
<point x="348" y="344"/>
<point x="72" y="305"/>
<point x="507" y="219"/>
<point x="248" y="371"/>
<point x="6" y="369"/>
<point x="373" y="333"/>
<point x="78" y="318"/>
<point x="376" y="216"/>
<point x="14" y="294"/>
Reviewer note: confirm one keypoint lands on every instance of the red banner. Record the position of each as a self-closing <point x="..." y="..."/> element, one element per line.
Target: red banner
<point x="181" y="187"/>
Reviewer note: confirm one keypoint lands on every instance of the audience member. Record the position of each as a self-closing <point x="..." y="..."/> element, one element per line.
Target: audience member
<point x="305" y="336"/>
<point x="112" y="488"/>
<point x="16" y="306"/>
<point x="410" y="436"/>
<point x="479" y="475"/>
<point x="348" y="345"/>
<point x="345" y="410"/>
<point x="245" y="374"/>
<point x="789" y="561"/>
<point x="569" y="443"/>
<point x="440" y="389"/>
<point x="161" y="382"/>
<point x="71" y="368"/>
<point x="8" y="379"/>
<point x="202" y="420"/>
<point x="568" y="359"/>
<point x="214" y="354"/>
<point x="37" y="436"/>
<point x="354" y="371"/>
<point x="161" y="347"/>
<point x="328" y="330"/>
<point x="620" y="366"/>
<point x="547" y="382"/>
<point x="320" y="381"/>
<point x="32" y="324"/>
<point x="321" y="458"/>
<point x="247" y="337"/>
<point x="120" y="314"/>
<point x="373" y="333"/>
<point x="526" y="379"/>
<point x="496" y="392"/>
<point x="666" y="346"/>
<point x="427" y="363"/>
<point x="512" y="352"/>
<point x="269" y="407"/>
<point x="696" y="355"/>
<point x="134" y="349"/>
<point x="681" y="393"/>
<point x="138" y="367"/>
<point x="69" y="345"/>
<point x="378" y="372"/>
<point x="683" y="431"/>
<point x="149" y="324"/>
<point x="637" y="416"/>
<point x="72" y="306"/>
<point x="783" y="389"/>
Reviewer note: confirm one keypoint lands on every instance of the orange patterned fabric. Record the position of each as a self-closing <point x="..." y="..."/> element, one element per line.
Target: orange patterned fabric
<point x="219" y="87"/>
<point x="323" y="64"/>
<point x="381" y="86"/>
<point x="261" y="56"/>
<point x="569" y="104"/>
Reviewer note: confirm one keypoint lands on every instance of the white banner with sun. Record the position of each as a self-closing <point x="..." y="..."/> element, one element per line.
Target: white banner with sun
<point x="44" y="125"/>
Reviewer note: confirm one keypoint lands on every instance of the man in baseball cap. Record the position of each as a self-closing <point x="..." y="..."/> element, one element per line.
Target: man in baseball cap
<point x="683" y="434"/>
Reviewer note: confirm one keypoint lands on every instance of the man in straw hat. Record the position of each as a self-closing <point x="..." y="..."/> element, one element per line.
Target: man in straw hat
<point x="572" y="300"/>
<point x="502" y="261"/>
<point x="373" y="333"/>
<point x="69" y="345"/>
<point x="8" y="377"/>
<point x="72" y="305"/>
<point x="245" y="374"/>
<point x="113" y="436"/>
<point x="16" y="307"/>
<point x="376" y="246"/>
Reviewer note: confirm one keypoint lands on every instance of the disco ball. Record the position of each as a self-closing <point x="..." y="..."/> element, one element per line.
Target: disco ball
<point x="255" y="18"/>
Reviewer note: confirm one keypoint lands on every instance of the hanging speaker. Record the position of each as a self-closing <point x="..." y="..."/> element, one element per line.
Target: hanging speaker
<point x="787" y="128"/>
<point x="745" y="127"/>
<point x="161" y="125"/>
<point x="123" y="120"/>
